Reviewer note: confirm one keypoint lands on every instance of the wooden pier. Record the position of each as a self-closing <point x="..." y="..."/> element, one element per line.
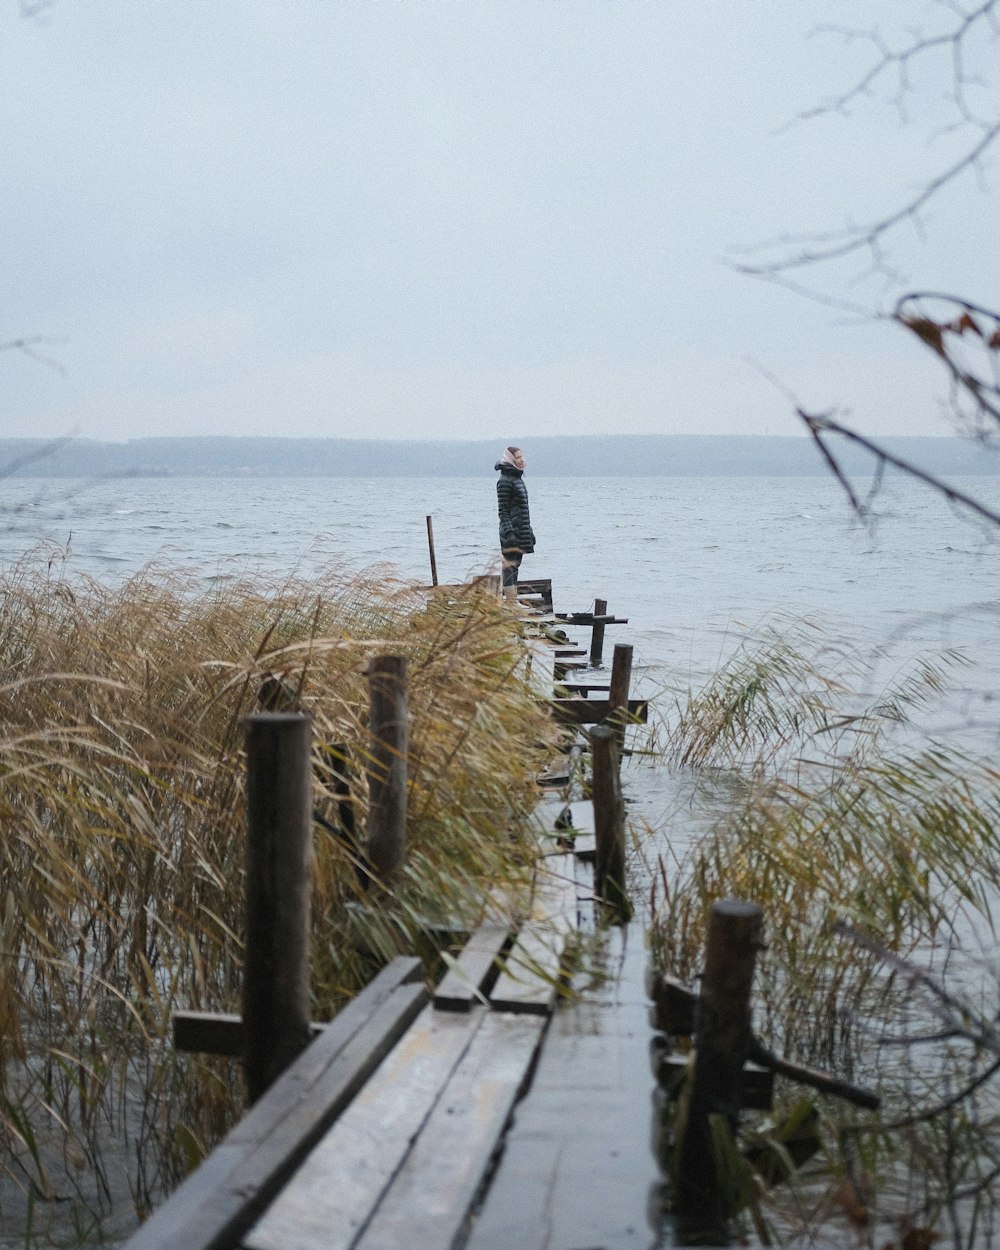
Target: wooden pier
<point x="510" y="1106"/>
<point x="388" y="1127"/>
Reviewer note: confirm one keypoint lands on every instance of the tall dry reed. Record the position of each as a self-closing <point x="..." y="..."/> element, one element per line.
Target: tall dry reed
<point x="122" y="843"/>
<point x="875" y="853"/>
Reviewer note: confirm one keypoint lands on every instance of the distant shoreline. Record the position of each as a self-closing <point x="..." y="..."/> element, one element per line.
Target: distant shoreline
<point x="668" y="455"/>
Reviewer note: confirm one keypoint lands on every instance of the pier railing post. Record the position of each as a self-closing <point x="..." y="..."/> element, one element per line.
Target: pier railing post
<point x="430" y="547"/>
<point x="609" y="824"/>
<point x="597" y="634"/>
<point x="722" y="1041"/>
<point x="621" y="678"/>
<point x="278" y="891"/>
<point x="387" y="766"/>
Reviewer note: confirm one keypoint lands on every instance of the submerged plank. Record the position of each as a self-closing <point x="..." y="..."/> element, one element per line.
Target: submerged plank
<point x="332" y="1196"/>
<point x="428" y="1201"/>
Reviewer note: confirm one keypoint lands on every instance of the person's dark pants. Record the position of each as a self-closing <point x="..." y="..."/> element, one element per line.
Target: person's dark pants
<point x="510" y="563"/>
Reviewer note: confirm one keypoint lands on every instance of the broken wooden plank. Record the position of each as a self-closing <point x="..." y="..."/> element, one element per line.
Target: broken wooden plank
<point x="589" y="618"/>
<point x="558" y="815"/>
<point x="530" y="978"/>
<point x="428" y="1202"/>
<point x="593" y="711"/>
<point x="332" y="1196"/>
<point x="223" y="1197"/>
<point x="476" y="967"/>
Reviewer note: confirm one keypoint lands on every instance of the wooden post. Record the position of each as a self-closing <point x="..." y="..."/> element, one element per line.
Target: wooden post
<point x="722" y="1042"/>
<point x="597" y="634"/>
<point x="430" y="544"/>
<point x="339" y="756"/>
<point x="278" y="890"/>
<point x="621" y="677"/>
<point x="609" y="824"/>
<point x="387" y="771"/>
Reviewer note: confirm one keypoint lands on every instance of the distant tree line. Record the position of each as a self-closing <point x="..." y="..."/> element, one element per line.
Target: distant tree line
<point x="619" y="456"/>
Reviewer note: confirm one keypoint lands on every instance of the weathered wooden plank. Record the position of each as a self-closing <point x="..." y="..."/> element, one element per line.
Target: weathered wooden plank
<point x="428" y="1201"/>
<point x="529" y="981"/>
<point x="585" y="847"/>
<point x="583" y="874"/>
<point x="584" y="687"/>
<point x="589" y="618"/>
<point x="581" y="815"/>
<point x="576" y="1169"/>
<point x="556" y="773"/>
<point x="593" y="711"/>
<point x="214" y="1033"/>
<point x="315" y="1060"/>
<point x="333" y="1194"/>
<point x="221" y="1199"/>
<point x="476" y="966"/>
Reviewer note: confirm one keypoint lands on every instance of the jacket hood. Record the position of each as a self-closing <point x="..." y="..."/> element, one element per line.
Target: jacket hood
<point x="508" y="468"/>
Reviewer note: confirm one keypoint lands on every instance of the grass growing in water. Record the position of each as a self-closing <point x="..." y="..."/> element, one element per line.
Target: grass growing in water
<point x="122" y="828"/>
<point x="848" y="816"/>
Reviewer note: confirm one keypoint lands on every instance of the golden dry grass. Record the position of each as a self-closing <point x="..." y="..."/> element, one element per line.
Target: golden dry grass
<point x="122" y="831"/>
<point x="846" y="812"/>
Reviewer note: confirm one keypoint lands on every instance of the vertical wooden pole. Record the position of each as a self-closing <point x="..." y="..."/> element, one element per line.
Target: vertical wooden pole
<point x="387" y="768"/>
<point x="621" y="678"/>
<point x="609" y="824"/>
<point x="597" y="634"/>
<point x="339" y="757"/>
<point x="278" y="890"/>
<point x="430" y="544"/>
<point x="722" y="1041"/>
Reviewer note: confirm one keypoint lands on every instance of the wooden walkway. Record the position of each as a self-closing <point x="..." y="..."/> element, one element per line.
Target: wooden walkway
<point x="494" y="1112"/>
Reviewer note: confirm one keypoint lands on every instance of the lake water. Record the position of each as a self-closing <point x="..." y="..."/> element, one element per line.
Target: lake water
<point x="696" y="564"/>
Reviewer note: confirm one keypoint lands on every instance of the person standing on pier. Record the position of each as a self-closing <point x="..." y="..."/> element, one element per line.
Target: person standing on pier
<point x="516" y="536"/>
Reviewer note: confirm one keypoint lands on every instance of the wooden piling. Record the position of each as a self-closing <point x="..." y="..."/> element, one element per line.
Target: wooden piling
<point x="338" y="756"/>
<point x="621" y="677"/>
<point x="609" y="824"/>
<point x="722" y="1043"/>
<point x="430" y="545"/>
<point x="387" y="767"/>
<point x="597" y="633"/>
<point x="278" y="890"/>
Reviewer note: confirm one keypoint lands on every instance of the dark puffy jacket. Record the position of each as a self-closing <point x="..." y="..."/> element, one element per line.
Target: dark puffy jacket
<point x="512" y="503"/>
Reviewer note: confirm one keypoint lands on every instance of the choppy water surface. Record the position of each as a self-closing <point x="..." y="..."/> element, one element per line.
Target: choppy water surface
<point x="696" y="564"/>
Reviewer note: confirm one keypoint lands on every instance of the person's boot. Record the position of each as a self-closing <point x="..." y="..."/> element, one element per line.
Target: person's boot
<point x="510" y="597"/>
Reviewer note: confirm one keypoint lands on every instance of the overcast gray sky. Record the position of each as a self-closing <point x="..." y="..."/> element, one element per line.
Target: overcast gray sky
<point x="452" y="218"/>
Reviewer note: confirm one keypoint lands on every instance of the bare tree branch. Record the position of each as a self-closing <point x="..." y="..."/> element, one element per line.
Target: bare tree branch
<point x="955" y="44"/>
<point x="953" y="1012"/>
<point x="819" y="425"/>
<point x="29" y="347"/>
